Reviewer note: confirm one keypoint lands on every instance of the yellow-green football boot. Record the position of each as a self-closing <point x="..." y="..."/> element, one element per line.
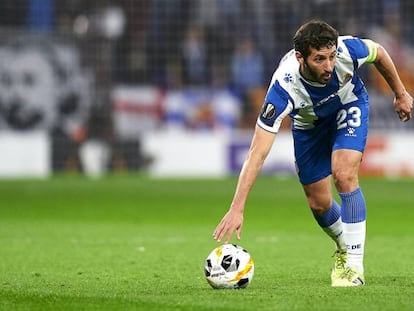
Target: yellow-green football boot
<point x="350" y="277"/>
<point x="338" y="269"/>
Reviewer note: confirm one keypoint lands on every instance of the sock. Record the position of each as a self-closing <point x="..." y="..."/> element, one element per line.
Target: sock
<point x="355" y="239"/>
<point x="353" y="214"/>
<point x="331" y="223"/>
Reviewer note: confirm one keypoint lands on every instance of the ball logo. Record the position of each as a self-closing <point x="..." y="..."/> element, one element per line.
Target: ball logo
<point x="268" y="111"/>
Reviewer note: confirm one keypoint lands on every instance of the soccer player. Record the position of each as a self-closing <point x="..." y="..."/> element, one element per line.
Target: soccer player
<point x="317" y="86"/>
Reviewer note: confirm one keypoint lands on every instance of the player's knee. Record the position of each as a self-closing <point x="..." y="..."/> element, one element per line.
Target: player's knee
<point x="319" y="205"/>
<point x="345" y="179"/>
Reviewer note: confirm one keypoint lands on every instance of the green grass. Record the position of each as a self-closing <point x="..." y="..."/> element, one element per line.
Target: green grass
<point x="135" y="243"/>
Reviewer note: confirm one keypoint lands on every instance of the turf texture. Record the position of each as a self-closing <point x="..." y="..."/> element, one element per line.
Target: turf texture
<point x="129" y="242"/>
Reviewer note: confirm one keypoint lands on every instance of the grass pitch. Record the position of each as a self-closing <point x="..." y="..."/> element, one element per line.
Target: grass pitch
<point x="135" y="243"/>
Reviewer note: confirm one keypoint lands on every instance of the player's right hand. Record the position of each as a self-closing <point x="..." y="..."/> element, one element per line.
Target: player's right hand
<point x="232" y="221"/>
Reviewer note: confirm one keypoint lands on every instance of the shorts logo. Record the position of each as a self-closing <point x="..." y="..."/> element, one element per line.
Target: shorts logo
<point x="351" y="132"/>
<point x="268" y="111"/>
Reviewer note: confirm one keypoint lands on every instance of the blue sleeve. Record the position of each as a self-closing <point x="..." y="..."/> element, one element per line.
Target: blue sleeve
<point x="274" y="106"/>
<point x="357" y="48"/>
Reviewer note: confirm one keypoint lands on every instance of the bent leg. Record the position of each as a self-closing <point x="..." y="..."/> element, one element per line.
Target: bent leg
<point x="326" y="211"/>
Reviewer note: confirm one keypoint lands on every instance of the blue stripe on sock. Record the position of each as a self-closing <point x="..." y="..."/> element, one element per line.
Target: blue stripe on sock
<point x="353" y="206"/>
<point x="330" y="217"/>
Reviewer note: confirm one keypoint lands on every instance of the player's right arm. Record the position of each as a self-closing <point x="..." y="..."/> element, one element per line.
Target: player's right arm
<point x="232" y="221"/>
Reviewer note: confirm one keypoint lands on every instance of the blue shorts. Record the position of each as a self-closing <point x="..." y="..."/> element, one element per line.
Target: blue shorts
<point x="347" y="129"/>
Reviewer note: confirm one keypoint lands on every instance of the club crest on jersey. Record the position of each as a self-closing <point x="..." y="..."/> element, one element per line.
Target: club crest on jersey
<point x="346" y="78"/>
<point x="268" y="111"/>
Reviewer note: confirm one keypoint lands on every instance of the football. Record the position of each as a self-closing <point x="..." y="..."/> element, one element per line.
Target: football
<point x="229" y="266"/>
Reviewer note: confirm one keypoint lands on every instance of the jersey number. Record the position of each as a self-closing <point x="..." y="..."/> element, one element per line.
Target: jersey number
<point x="354" y="121"/>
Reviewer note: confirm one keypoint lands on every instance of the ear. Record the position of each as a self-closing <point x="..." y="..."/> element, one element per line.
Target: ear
<point x="299" y="57"/>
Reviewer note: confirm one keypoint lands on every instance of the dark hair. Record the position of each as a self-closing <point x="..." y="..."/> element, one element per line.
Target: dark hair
<point x="316" y="34"/>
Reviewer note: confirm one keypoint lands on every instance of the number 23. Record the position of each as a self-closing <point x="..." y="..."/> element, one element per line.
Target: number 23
<point x="354" y="121"/>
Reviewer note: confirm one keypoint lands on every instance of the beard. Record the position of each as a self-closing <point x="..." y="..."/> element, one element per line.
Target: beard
<point x="314" y="76"/>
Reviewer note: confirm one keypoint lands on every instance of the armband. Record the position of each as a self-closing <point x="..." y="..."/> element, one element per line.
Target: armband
<point x="372" y="50"/>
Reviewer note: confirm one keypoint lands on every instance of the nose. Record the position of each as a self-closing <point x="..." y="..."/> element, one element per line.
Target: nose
<point x="329" y="65"/>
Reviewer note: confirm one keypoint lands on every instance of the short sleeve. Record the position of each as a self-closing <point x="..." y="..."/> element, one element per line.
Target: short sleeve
<point x="277" y="105"/>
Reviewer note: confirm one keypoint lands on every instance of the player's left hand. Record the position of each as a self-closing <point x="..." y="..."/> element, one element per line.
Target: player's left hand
<point x="403" y="105"/>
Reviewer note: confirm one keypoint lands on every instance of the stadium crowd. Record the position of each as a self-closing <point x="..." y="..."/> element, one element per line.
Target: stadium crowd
<point x="212" y="59"/>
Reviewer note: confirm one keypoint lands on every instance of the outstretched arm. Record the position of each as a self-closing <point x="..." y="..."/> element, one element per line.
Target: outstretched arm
<point x="403" y="102"/>
<point x="233" y="220"/>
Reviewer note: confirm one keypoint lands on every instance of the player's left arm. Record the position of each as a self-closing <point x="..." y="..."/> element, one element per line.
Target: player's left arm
<point x="403" y="102"/>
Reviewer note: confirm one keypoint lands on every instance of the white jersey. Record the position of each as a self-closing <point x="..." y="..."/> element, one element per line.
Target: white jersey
<point x="307" y="102"/>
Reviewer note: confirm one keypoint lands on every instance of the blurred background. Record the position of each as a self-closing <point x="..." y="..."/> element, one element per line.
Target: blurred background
<point x="173" y="87"/>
